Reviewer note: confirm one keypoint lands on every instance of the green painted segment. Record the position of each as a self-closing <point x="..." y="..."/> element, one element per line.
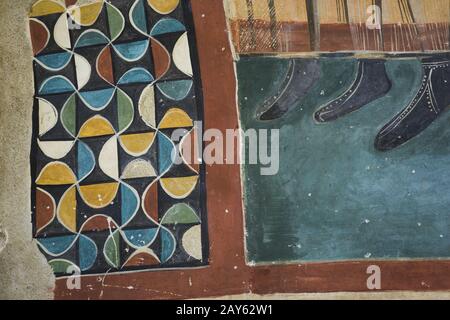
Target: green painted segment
<point x="115" y="20"/>
<point x="112" y="247"/>
<point x="125" y="110"/>
<point x="62" y="266"/>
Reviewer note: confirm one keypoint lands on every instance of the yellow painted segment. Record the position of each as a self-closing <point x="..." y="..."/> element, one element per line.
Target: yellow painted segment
<point x="86" y="15"/>
<point x="176" y="118"/>
<point x="179" y="188"/>
<point x="96" y="126"/>
<point x="68" y="210"/>
<point x="46" y="7"/>
<point x="163" y="6"/>
<point x="137" y="143"/>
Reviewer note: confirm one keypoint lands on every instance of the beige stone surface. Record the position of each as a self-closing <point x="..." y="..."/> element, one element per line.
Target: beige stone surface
<point x="24" y="272"/>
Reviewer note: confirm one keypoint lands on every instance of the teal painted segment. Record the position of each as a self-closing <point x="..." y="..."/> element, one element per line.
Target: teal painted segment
<point x="139" y="18"/>
<point x="136" y="75"/>
<point x="57" y="245"/>
<point x="98" y="99"/>
<point x="91" y="38"/>
<point x="56" y="84"/>
<point x="130" y="203"/>
<point x="142" y="237"/>
<point x="132" y="50"/>
<point x="55" y="60"/>
<point x="86" y="160"/>
<point x="175" y="90"/>
<point x="88" y="253"/>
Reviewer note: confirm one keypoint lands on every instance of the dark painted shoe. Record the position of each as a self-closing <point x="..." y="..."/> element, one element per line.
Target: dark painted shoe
<point x="371" y="83"/>
<point x="429" y="103"/>
<point x="301" y="76"/>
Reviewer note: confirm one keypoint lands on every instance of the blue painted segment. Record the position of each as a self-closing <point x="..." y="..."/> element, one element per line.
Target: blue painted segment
<point x="166" y="152"/>
<point x="136" y="75"/>
<point x="129" y="202"/>
<point x="141" y="237"/>
<point x="91" y="38"/>
<point x="132" y="51"/>
<point x="57" y="245"/>
<point x="167" y="245"/>
<point x="56" y="84"/>
<point x="138" y="16"/>
<point x="86" y="160"/>
<point x="55" y="61"/>
<point x="88" y="253"/>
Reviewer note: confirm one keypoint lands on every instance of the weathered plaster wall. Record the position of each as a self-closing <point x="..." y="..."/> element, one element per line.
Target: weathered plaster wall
<point x="24" y="272"/>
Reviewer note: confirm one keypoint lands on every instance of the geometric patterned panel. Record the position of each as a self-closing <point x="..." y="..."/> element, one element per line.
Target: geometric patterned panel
<point x="113" y="81"/>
